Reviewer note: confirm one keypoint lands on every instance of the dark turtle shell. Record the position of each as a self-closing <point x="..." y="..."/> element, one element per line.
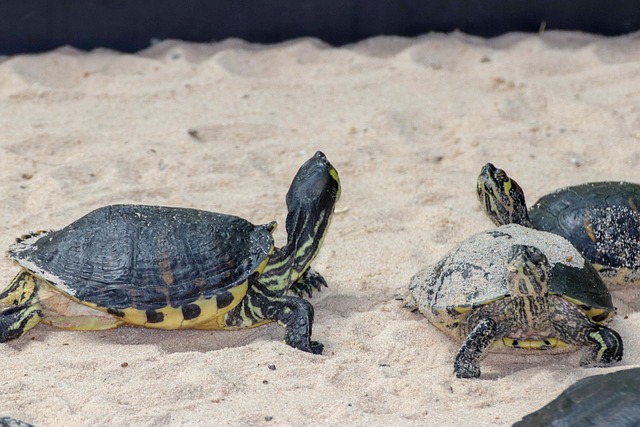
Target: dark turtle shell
<point x="147" y="257"/>
<point x="601" y="219"/>
<point x="601" y="400"/>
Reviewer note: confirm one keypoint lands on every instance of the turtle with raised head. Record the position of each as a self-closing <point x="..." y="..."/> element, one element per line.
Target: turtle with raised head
<point x="517" y="288"/>
<point x="175" y="268"/>
<point x="601" y="219"/>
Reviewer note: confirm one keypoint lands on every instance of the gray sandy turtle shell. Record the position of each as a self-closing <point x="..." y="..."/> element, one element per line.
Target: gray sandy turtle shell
<point x="109" y="257"/>
<point x="473" y="274"/>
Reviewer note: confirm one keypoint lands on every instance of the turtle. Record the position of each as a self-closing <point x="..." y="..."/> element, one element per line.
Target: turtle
<point x="513" y="287"/>
<point x="601" y="219"/>
<point x="611" y="399"/>
<point x="175" y="268"/>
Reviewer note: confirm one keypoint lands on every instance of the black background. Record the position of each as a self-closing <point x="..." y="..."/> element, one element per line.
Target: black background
<point x="130" y="25"/>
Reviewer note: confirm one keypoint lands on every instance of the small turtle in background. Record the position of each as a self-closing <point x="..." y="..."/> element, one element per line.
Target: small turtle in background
<point x="601" y="400"/>
<point x="175" y="268"/>
<point x="601" y="219"/>
<point x="517" y="288"/>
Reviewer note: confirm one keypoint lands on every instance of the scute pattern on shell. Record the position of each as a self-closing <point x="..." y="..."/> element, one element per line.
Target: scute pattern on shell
<point x="146" y="257"/>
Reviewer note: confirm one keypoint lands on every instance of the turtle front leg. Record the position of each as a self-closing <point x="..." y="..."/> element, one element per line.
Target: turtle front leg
<point x="296" y="316"/>
<point x="293" y="313"/>
<point x="20" y="307"/>
<point x="474" y="349"/>
<point x="307" y="282"/>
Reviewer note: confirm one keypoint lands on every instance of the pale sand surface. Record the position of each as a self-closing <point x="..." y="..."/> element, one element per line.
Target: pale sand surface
<point x="407" y="122"/>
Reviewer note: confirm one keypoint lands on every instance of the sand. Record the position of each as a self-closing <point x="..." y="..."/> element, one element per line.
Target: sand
<point x="408" y="123"/>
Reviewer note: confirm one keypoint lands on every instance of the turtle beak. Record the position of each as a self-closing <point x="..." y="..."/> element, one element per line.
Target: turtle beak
<point x="490" y="175"/>
<point x="320" y="157"/>
<point x="488" y="169"/>
<point x="490" y="172"/>
<point x="271" y="227"/>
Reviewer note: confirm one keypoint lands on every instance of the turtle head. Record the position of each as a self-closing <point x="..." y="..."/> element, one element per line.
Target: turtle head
<point x="527" y="272"/>
<point x="311" y="199"/>
<point x="315" y="188"/>
<point x="501" y="197"/>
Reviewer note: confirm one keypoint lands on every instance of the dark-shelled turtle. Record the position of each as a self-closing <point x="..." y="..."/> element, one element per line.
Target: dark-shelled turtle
<point x="601" y="219"/>
<point x="515" y="287"/>
<point x="175" y="268"/>
<point x="611" y="400"/>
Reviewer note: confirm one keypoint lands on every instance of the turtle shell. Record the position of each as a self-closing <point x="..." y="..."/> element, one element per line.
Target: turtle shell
<point x="601" y="219"/>
<point x="146" y="258"/>
<point x="610" y="399"/>
<point x="473" y="274"/>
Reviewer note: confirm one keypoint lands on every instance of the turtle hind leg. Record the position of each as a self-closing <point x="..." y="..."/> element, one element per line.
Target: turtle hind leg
<point x="293" y="313"/>
<point x="606" y="347"/>
<point x="573" y="326"/>
<point x="21" y="307"/>
<point x="307" y="282"/>
<point x="474" y="349"/>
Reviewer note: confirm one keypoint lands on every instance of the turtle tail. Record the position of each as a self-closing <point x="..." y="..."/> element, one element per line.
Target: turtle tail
<point x="20" y="306"/>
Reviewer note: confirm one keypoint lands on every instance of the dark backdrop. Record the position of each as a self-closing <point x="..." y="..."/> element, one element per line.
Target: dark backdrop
<point x="130" y="25"/>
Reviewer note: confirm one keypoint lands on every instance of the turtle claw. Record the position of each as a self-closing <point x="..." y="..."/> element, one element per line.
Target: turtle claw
<point x="298" y="321"/>
<point x="468" y="371"/>
<point x="309" y="281"/>
<point x="313" y="347"/>
<point x="316" y="347"/>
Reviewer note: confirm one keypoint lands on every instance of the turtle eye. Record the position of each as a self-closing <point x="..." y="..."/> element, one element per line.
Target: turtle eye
<point x="501" y="175"/>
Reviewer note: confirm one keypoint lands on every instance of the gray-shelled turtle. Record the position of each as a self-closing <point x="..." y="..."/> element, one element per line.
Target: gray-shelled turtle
<point x="516" y="287"/>
<point x="601" y="219"/>
<point x="175" y="268"/>
<point x="611" y="400"/>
